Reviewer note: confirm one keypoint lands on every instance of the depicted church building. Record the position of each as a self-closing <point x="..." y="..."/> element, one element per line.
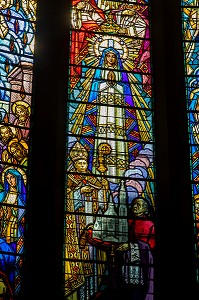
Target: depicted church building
<point x="112" y="226"/>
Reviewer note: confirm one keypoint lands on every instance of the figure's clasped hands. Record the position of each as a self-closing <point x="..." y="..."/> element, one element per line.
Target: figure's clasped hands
<point x="82" y="4"/>
<point x="86" y="189"/>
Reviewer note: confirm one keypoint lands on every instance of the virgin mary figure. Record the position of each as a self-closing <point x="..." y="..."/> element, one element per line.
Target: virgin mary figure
<point x="110" y="116"/>
<point x="12" y="211"/>
<point x="12" y="200"/>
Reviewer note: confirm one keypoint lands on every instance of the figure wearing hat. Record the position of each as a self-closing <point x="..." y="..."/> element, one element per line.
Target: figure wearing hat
<point x="85" y="196"/>
<point x="85" y="186"/>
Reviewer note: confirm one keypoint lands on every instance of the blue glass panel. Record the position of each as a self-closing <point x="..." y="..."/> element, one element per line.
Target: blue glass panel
<point x="17" y="34"/>
<point x="190" y="19"/>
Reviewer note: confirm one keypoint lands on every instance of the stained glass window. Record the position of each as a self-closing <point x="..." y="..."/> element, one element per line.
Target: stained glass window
<point x="190" y="17"/>
<point x="17" y="35"/>
<point x="110" y="167"/>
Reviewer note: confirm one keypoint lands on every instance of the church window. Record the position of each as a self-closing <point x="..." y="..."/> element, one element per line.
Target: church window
<point x="190" y="19"/>
<point x="17" y="37"/>
<point x="110" y="155"/>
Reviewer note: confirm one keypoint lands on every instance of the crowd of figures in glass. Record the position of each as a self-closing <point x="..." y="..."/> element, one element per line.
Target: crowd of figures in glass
<point x="17" y="27"/>
<point x="110" y="192"/>
<point x="190" y="18"/>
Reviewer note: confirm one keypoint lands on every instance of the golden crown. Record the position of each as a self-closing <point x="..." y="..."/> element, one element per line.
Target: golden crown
<point x="110" y="25"/>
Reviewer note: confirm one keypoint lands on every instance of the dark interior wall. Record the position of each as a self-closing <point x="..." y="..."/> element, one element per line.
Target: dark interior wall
<point x="44" y="267"/>
<point x="176" y="261"/>
<point x="175" y="253"/>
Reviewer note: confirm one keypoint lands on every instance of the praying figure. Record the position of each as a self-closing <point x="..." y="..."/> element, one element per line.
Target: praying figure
<point x="13" y="195"/>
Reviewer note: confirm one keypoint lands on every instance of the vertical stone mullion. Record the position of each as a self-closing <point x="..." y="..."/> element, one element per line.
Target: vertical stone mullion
<point x="43" y="272"/>
<point x="175" y="264"/>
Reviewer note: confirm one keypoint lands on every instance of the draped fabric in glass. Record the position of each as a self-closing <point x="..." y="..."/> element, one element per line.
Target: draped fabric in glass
<point x="110" y="165"/>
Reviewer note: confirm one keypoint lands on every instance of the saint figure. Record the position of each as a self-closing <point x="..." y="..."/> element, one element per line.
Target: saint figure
<point x="85" y="196"/>
<point x="110" y="115"/>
